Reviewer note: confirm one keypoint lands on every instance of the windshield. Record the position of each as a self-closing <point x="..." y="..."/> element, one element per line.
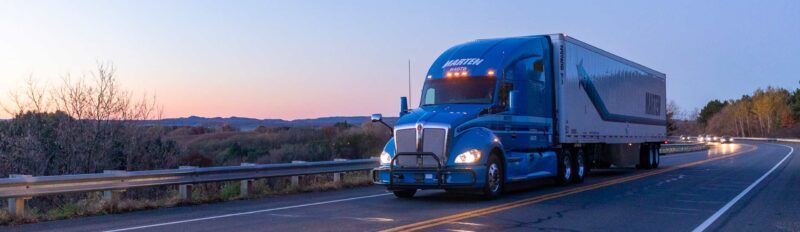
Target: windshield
<point x="469" y="90"/>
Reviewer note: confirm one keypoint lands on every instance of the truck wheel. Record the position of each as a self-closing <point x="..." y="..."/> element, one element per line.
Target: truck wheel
<point x="579" y="169"/>
<point x="645" y="157"/>
<point x="564" y="168"/>
<point x="656" y="155"/>
<point x="405" y="193"/>
<point x="494" y="178"/>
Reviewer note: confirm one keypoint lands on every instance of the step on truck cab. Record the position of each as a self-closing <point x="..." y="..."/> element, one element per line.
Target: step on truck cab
<point x="498" y="111"/>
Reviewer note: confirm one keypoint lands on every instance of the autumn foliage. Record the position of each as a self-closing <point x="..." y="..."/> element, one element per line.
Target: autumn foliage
<point x="767" y="112"/>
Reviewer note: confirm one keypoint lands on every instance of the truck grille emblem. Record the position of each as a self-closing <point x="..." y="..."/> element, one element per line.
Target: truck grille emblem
<point x="419" y="137"/>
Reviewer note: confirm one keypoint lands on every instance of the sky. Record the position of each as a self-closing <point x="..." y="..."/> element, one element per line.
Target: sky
<point x="308" y="59"/>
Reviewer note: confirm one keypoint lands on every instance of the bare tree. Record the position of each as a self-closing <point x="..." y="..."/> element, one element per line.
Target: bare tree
<point x="83" y="125"/>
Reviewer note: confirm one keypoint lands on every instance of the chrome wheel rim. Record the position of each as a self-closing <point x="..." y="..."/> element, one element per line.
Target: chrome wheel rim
<point x="657" y="155"/>
<point x="580" y="164"/>
<point x="652" y="158"/>
<point x="567" y="167"/>
<point x="494" y="177"/>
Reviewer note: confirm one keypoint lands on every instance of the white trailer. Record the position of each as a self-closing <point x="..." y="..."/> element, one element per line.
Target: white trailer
<point x="604" y="98"/>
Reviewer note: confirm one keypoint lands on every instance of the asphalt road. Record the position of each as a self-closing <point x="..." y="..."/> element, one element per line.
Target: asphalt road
<point x="745" y="186"/>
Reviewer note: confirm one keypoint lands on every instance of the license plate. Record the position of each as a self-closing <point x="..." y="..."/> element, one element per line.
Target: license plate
<point x="419" y="177"/>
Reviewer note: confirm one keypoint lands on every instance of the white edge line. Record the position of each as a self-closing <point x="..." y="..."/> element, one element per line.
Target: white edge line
<point x="245" y="213"/>
<point x="715" y="216"/>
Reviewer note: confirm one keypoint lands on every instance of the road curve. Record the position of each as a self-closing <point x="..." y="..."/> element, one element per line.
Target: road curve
<point x="747" y="186"/>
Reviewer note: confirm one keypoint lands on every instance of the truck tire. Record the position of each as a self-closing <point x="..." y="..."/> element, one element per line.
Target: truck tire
<point x="564" y="175"/>
<point x="645" y="157"/>
<point x="405" y="193"/>
<point x="494" y="178"/>
<point x="579" y="169"/>
<point x="656" y="155"/>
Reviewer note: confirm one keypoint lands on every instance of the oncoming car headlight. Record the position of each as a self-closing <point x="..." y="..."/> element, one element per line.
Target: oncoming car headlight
<point x="385" y="158"/>
<point x="469" y="156"/>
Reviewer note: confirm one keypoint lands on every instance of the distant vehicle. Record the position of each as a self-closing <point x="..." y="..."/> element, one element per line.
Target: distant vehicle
<point x="726" y="139"/>
<point x="684" y="138"/>
<point x="709" y="139"/>
<point x="701" y="138"/>
<point x="498" y="111"/>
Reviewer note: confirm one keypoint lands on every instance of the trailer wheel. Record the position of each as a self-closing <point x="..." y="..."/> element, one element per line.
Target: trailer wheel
<point x="645" y="157"/>
<point x="494" y="178"/>
<point x="656" y="155"/>
<point x="405" y="193"/>
<point x="564" y="167"/>
<point x="579" y="169"/>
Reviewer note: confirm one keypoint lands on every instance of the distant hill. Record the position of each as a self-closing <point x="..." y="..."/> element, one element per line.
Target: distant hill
<point x="252" y="123"/>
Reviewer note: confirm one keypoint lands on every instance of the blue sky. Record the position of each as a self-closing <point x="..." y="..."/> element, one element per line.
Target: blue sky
<point x="303" y="59"/>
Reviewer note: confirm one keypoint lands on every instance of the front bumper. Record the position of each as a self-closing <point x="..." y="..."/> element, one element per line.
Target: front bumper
<point x="454" y="177"/>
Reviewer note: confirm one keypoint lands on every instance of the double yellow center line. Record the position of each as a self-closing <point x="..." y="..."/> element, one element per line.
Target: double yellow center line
<point x="537" y="199"/>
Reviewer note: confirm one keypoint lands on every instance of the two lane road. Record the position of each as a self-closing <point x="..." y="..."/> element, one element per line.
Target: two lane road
<point x="744" y="186"/>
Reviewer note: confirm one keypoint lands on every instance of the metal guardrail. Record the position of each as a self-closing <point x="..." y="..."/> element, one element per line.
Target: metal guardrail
<point x="785" y="140"/>
<point x="678" y="148"/>
<point x="18" y="188"/>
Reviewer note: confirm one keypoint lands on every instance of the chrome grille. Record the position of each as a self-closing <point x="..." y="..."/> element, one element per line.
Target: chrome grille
<point x="434" y="141"/>
<point x="406" y="140"/>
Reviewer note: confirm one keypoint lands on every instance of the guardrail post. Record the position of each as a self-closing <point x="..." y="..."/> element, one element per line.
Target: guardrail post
<point x="245" y="185"/>
<point x="185" y="190"/>
<point x="337" y="176"/>
<point x="113" y="195"/>
<point x="296" y="179"/>
<point x="16" y="205"/>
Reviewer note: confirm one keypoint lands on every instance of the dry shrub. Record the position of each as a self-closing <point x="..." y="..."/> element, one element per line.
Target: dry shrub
<point x="5" y="217"/>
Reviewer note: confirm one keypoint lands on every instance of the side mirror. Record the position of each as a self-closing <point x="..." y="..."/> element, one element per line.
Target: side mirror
<point x="379" y="118"/>
<point x="513" y="98"/>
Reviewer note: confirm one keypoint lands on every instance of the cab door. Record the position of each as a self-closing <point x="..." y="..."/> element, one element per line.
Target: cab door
<point x="532" y="121"/>
<point x="529" y="128"/>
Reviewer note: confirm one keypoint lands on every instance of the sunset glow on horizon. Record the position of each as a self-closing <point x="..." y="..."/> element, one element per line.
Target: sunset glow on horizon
<point x="293" y="60"/>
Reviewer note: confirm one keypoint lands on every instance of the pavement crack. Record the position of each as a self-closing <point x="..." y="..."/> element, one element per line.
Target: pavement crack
<point x="531" y="223"/>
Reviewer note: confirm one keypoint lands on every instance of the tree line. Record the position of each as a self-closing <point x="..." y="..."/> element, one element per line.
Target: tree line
<point x="769" y="112"/>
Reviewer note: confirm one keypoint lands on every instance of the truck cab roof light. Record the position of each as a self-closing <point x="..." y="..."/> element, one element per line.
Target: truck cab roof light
<point x="490" y="73"/>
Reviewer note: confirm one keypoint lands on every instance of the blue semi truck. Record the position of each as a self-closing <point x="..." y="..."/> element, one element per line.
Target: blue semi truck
<point x="498" y="111"/>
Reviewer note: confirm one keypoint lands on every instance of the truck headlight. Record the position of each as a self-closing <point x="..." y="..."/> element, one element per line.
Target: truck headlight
<point x="385" y="158"/>
<point x="469" y="156"/>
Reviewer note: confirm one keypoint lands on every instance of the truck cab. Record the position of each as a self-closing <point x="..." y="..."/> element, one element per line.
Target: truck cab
<point x="485" y="118"/>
